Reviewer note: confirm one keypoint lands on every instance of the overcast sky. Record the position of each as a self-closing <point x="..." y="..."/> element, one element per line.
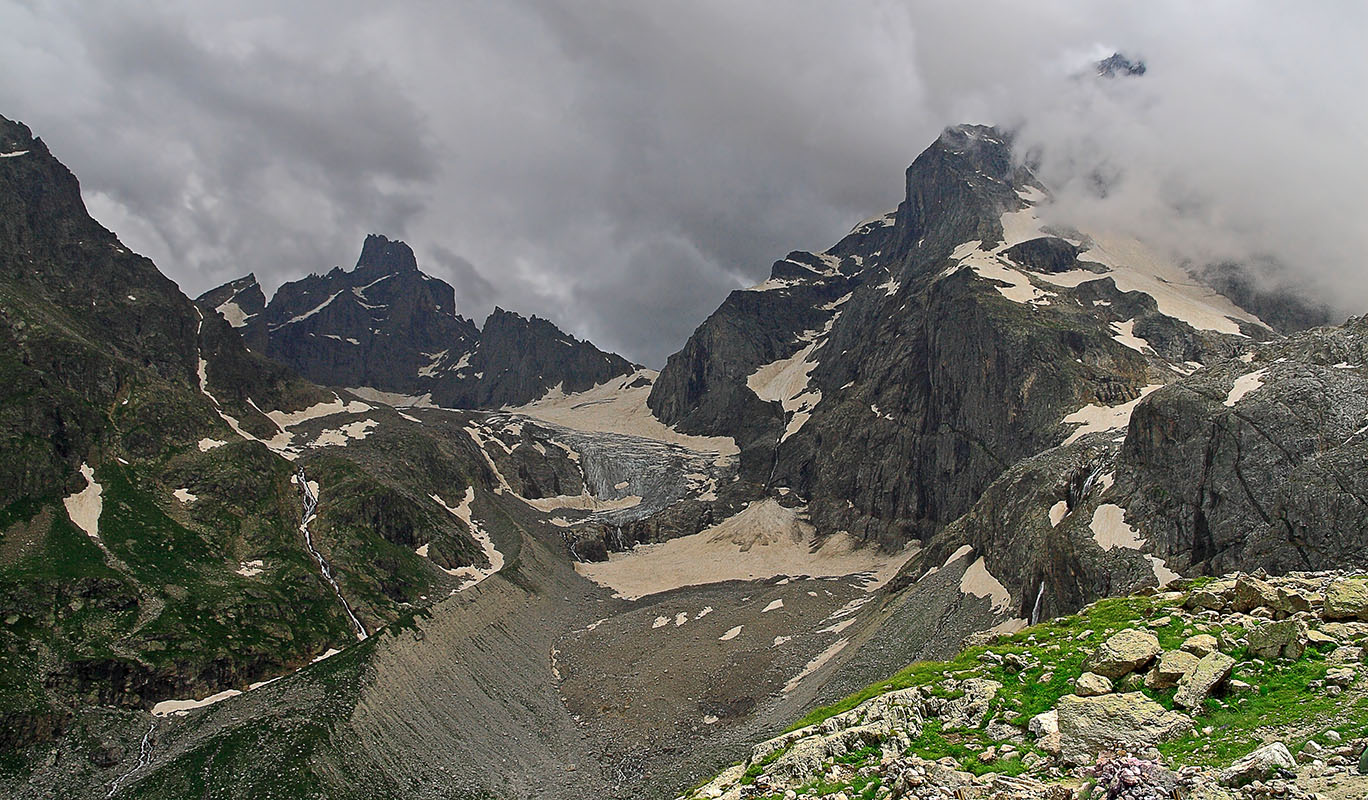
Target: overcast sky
<point x="619" y="167"/>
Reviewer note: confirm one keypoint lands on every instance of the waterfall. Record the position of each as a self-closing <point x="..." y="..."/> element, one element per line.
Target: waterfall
<point x="1035" y="610"/>
<point x="144" y="758"/>
<point x="310" y="504"/>
<point x="1088" y="484"/>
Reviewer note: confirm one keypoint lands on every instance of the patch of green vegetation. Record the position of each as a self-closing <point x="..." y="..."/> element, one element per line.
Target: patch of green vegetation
<point x="966" y="747"/>
<point x="165" y="601"/>
<point x="1280" y="697"/>
<point x="283" y="751"/>
<point x="755" y="770"/>
<point x="1060" y="645"/>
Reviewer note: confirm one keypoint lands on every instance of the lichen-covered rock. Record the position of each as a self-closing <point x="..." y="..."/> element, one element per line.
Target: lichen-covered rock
<point x="1293" y="601"/>
<point x="1284" y="639"/>
<point x="1172" y="667"/>
<point x="1251" y="592"/>
<point x="1339" y="676"/>
<point x="1090" y="684"/>
<point x="1259" y="765"/>
<point x="1211" y="670"/>
<point x="1215" y="596"/>
<point x="1199" y="644"/>
<point x="1123" y="653"/>
<point x="1091" y="725"/>
<point x="1045" y="727"/>
<point x="1346" y="598"/>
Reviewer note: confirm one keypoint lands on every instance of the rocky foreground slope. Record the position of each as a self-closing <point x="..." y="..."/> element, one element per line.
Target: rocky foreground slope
<point x="1241" y="687"/>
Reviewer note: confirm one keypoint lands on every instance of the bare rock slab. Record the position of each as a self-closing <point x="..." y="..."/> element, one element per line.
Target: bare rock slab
<point x="1124" y="653"/>
<point x="1090" y="725"/>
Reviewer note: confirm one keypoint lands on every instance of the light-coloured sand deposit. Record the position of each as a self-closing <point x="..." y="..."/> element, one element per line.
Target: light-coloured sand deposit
<point x="763" y="541"/>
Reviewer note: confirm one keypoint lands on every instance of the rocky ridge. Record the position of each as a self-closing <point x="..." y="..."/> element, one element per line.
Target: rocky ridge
<point x="385" y="325"/>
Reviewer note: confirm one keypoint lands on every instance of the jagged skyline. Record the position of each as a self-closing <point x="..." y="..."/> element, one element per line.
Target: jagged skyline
<point x="618" y="170"/>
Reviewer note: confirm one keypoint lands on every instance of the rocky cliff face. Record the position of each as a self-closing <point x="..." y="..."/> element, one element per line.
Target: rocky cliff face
<point x="1248" y="464"/>
<point x="938" y="345"/>
<point x="382" y="324"/>
<point x="386" y="325"/>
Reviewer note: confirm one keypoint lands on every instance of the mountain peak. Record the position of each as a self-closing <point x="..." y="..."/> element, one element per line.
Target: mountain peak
<point x="1118" y="65"/>
<point x="386" y="255"/>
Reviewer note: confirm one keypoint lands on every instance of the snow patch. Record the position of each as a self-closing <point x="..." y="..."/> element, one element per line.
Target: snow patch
<point x="1244" y="385"/>
<point x="1057" y="513"/>
<point x="1124" y="333"/>
<point x="393" y="399"/>
<point x="978" y="581"/>
<point x="307" y="314"/>
<point x="773" y="606"/>
<point x="473" y="575"/>
<point x="206" y="444"/>
<point x="85" y="506"/>
<point x="617" y="406"/>
<point x="288" y="419"/>
<point x="340" y="436"/>
<point x="180" y="708"/>
<point x="233" y="313"/>
<point x="1110" y="529"/>
<point x="582" y="502"/>
<point x="731" y="634"/>
<point x="815" y="664"/>
<point x="184" y="496"/>
<point x="765" y="540"/>
<point x="1094" y="418"/>
<point x="248" y="569"/>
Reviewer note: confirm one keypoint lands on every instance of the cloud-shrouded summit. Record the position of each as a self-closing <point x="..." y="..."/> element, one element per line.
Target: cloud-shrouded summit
<point x="618" y="168"/>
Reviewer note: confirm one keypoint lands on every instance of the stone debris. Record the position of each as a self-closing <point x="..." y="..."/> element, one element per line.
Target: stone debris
<point x="1262" y="764"/>
<point x="1172" y="667"/>
<point x="1103" y="740"/>
<point x="1090" y="684"/>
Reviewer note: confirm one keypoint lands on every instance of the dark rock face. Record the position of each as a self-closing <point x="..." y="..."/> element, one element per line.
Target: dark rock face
<point x="386" y="325"/>
<point x="925" y="378"/>
<point x="237" y="301"/>
<point x="381" y="324"/>
<point x="1241" y="466"/>
<point x="519" y="360"/>
<point x="1046" y="254"/>
<point x="1257" y="465"/>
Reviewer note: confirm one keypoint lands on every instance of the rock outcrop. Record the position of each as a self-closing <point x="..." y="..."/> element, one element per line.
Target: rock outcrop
<point x="388" y="326"/>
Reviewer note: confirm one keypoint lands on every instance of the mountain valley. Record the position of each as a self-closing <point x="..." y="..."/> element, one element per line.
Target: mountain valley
<point x="343" y="542"/>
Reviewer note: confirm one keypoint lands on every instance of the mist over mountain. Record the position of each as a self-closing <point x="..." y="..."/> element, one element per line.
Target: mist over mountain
<point x="619" y="170"/>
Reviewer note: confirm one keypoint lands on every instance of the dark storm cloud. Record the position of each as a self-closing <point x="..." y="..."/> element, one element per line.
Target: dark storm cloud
<point x="473" y="292"/>
<point x="618" y="167"/>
